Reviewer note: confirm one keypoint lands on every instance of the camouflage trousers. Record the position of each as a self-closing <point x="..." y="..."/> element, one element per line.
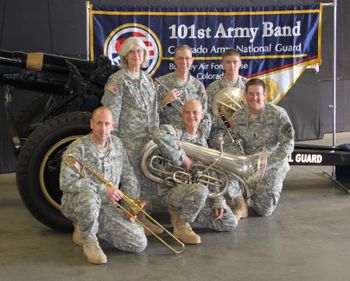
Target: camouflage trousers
<point x="233" y="189"/>
<point x="148" y="188"/>
<point x="190" y="202"/>
<point x="206" y="218"/>
<point x="103" y="219"/>
<point x="265" y="199"/>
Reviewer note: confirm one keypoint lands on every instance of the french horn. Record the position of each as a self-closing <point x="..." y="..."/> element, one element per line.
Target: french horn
<point x="227" y="101"/>
<point x="215" y="171"/>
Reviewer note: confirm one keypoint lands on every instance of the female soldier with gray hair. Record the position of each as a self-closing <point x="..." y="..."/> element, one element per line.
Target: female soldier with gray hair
<point x="131" y="95"/>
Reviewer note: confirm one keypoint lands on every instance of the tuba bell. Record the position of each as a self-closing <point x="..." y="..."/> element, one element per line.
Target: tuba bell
<point x="248" y="170"/>
<point x="227" y="101"/>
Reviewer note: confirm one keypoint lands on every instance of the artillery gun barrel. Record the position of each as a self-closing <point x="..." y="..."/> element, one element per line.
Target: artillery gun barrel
<point x="50" y="73"/>
<point x="45" y="62"/>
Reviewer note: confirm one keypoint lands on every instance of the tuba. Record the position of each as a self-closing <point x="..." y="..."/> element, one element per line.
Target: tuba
<point x="215" y="171"/>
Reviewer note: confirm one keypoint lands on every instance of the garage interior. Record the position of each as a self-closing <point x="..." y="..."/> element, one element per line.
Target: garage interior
<point x="305" y="239"/>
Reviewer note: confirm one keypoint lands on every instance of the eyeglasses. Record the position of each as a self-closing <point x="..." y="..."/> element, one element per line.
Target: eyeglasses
<point x="183" y="58"/>
<point x="137" y="51"/>
<point x="257" y="95"/>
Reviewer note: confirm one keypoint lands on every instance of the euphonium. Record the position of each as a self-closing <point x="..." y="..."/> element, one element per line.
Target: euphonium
<point x="134" y="206"/>
<point x="248" y="170"/>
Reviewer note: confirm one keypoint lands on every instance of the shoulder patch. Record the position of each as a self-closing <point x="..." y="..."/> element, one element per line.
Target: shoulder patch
<point x="287" y="129"/>
<point x="113" y="90"/>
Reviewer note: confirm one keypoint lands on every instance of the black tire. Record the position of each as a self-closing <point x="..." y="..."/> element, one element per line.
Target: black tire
<point x="38" y="166"/>
<point x="29" y="114"/>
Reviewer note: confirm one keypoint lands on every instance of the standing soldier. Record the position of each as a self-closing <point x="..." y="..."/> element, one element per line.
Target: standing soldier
<point x="234" y="83"/>
<point x="231" y="62"/>
<point x="131" y="95"/>
<point x="177" y="87"/>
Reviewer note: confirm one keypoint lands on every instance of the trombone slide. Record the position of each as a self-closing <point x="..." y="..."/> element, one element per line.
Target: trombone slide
<point x="135" y="206"/>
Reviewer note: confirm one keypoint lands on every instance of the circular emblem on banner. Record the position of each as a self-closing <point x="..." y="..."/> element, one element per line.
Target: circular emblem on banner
<point x="272" y="89"/>
<point x="116" y="38"/>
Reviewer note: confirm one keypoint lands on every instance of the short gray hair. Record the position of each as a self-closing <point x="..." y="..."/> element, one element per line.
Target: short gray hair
<point x="182" y="47"/>
<point x="127" y="46"/>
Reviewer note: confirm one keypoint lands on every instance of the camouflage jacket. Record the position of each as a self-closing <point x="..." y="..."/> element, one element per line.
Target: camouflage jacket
<point x="112" y="164"/>
<point x="193" y="89"/>
<point x="222" y="83"/>
<point x="166" y="139"/>
<point x="272" y="129"/>
<point x="134" y="105"/>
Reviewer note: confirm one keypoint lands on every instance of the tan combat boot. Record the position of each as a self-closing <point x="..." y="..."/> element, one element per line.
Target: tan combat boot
<point x="76" y="235"/>
<point x="93" y="251"/>
<point x="240" y="209"/>
<point x="231" y="203"/>
<point x="183" y="231"/>
<point x="145" y="221"/>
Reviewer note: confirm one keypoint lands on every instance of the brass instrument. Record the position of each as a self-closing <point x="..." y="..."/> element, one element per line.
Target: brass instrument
<point x="227" y="101"/>
<point x="135" y="206"/>
<point x="248" y="170"/>
<point x="177" y="104"/>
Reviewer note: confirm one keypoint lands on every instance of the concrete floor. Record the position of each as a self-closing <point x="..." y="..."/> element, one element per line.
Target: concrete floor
<point x="305" y="239"/>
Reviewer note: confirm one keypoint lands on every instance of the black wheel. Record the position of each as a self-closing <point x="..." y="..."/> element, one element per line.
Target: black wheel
<point x="38" y="166"/>
<point x="30" y="114"/>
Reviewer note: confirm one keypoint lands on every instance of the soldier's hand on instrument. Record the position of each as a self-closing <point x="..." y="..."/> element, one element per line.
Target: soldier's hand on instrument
<point x="113" y="193"/>
<point x="188" y="163"/>
<point x="130" y="218"/>
<point x="171" y="96"/>
<point x="218" y="213"/>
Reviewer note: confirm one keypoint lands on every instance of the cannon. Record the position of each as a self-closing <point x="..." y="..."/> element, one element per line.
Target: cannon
<point x="68" y="89"/>
<point x="64" y="84"/>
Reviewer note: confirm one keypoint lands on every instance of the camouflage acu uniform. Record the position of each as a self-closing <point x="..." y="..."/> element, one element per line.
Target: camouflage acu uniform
<point x="273" y="130"/>
<point x="193" y="89"/>
<point x="234" y="189"/>
<point x="222" y="83"/>
<point x="135" y="111"/>
<point x="190" y="201"/>
<point x="218" y="134"/>
<point x="84" y="200"/>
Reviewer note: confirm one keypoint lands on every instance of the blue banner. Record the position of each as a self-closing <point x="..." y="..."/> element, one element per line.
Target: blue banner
<point x="270" y="39"/>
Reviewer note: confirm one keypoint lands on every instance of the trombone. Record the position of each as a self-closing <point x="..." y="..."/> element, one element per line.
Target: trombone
<point x="135" y="206"/>
<point x="178" y="106"/>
